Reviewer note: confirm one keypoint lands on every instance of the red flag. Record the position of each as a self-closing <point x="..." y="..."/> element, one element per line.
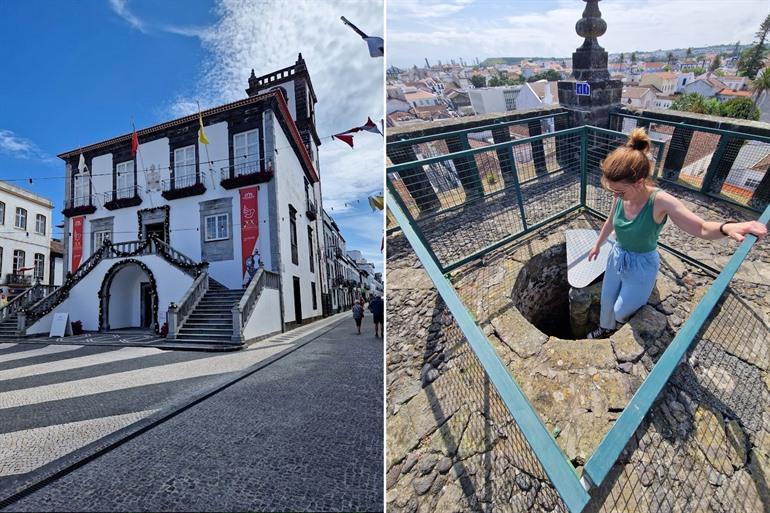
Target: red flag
<point x="134" y="143"/>
<point x="370" y="126"/>
<point x="346" y="138"/>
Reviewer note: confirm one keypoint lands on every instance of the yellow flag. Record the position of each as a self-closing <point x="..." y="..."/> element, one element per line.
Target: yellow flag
<point x="201" y="134"/>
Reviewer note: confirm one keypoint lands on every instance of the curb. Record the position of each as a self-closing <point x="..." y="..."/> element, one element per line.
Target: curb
<point x="33" y="481"/>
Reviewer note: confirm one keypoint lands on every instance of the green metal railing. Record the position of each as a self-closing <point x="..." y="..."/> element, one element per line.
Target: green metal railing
<point x="728" y="165"/>
<point x="540" y="187"/>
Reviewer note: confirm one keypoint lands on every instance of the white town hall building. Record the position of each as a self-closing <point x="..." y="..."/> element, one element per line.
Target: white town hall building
<point x="208" y="242"/>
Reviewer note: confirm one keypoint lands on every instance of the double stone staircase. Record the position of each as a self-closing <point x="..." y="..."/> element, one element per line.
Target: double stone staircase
<point x="211" y="321"/>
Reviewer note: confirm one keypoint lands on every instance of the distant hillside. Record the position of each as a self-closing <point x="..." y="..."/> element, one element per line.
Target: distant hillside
<point x="496" y="61"/>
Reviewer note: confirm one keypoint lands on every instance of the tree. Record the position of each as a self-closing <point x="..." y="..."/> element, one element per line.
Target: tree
<point x="633" y="58"/>
<point x="670" y="59"/>
<point x="698" y="71"/>
<point x="495" y="82"/>
<point x="740" y="108"/>
<point x="716" y="63"/>
<point x="751" y="60"/>
<point x="621" y="59"/>
<point x="761" y="84"/>
<point x="737" y="49"/>
<point x="689" y="52"/>
<point x="478" y="81"/>
<point x="696" y="103"/>
<point x="549" y="75"/>
<point x="666" y="68"/>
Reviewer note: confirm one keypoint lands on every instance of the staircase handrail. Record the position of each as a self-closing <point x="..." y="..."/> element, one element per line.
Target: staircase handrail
<point x="241" y="312"/>
<point x="179" y="312"/>
<point x="26" y="298"/>
<point x="108" y="249"/>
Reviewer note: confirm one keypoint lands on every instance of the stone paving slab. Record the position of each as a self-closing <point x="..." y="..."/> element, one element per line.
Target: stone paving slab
<point x="302" y="434"/>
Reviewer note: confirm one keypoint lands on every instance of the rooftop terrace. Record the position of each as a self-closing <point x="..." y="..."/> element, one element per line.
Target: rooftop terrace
<point x="495" y="400"/>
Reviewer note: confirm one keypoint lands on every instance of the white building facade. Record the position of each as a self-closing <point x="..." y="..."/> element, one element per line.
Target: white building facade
<point x="182" y="228"/>
<point x="25" y="237"/>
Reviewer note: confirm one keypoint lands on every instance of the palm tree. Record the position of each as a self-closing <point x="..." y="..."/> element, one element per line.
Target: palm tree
<point x="633" y="58"/>
<point x="761" y="84"/>
<point x="670" y="58"/>
<point x="689" y="52"/>
<point x="622" y="58"/>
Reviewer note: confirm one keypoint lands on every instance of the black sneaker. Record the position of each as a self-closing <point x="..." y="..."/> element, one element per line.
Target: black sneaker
<point x="599" y="333"/>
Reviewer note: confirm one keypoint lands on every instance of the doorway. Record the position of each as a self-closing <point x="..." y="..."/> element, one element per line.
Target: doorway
<point x="297" y="301"/>
<point x="157" y="230"/>
<point x="145" y="300"/>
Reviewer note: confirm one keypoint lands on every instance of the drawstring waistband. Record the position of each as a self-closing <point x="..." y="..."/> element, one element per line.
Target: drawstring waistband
<point x="628" y="260"/>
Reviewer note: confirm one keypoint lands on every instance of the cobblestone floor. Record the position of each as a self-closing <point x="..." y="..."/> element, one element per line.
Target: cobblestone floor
<point x="304" y="433"/>
<point x="704" y="447"/>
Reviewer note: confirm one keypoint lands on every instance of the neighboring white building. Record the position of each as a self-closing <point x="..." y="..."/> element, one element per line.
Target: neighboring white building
<point x="187" y="228"/>
<point x="662" y="101"/>
<point x="707" y="85"/>
<point x="485" y="100"/>
<point x="735" y="83"/>
<point x="25" y="237"/>
<point x="535" y="95"/>
<point x="665" y="81"/>
<point x="639" y="96"/>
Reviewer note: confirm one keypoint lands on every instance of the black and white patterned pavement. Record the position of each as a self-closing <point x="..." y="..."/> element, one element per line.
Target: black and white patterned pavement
<point x="303" y="433"/>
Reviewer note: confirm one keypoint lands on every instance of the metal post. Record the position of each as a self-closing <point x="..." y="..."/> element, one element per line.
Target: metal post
<point x="583" y="164"/>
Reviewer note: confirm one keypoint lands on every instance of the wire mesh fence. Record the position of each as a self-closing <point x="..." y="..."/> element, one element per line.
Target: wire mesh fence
<point x="727" y="164"/>
<point x="467" y="200"/>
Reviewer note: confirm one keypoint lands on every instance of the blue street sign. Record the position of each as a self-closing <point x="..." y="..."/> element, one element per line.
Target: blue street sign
<point x="582" y="89"/>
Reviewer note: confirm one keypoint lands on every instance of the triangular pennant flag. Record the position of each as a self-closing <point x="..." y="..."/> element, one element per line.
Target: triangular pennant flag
<point x="346" y="138"/>
<point x="376" y="202"/>
<point x="371" y="126"/>
<point x="201" y="134"/>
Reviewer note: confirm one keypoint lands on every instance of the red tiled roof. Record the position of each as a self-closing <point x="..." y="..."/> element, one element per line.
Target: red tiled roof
<point x="730" y="92"/>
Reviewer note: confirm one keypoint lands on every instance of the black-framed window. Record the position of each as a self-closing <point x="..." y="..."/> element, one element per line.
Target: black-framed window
<point x="38" y="272"/>
<point x="2" y="212"/>
<point x="40" y="224"/>
<point x="21" y="218"/>
<point x="293" y="235"/>
<point x="310" y="247"/>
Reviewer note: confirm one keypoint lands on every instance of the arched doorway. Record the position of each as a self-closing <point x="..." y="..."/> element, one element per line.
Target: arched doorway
<point x="128" y="297"/>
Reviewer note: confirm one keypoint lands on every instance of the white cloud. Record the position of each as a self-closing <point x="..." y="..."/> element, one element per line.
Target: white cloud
<point x="631" y="25"/>
<point x="121" y="9"/>
<point x="410" y="9"/>
<point x="267" y="35"/>
<point x="21" y="148"/>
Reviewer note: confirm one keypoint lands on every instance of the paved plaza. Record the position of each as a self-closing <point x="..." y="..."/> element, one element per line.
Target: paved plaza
<point x="303" y="432"/>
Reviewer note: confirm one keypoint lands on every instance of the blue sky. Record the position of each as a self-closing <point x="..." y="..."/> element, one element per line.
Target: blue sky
<point x="76" y="73"/>
<point x="446" y="29"/>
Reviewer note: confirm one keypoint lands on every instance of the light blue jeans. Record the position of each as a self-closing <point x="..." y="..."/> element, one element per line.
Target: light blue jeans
<point x="628" y="283"/>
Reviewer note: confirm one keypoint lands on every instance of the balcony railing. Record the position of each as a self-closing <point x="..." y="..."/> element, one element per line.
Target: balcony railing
<point x="18" y="279"/>
<point x="338" y="252"/>
<point x="247" y="173"/>
<point x="182" y="186"/>
<point x="122" y="197"/>
<point x="312" y="211"/>
<point x="79" y="205"/>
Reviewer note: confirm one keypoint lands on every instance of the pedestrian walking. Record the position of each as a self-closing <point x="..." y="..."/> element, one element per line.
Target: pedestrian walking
<point x="376" y="306"/>
<point x="637" y="216"/>
<point x="358" y="314"/>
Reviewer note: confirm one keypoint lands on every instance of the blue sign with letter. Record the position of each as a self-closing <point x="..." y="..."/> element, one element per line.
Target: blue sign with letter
<point x="582" y="89"/>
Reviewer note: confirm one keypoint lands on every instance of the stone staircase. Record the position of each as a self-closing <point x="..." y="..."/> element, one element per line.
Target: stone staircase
<point x="8" y="326"/>
<point x="212" y="319"/>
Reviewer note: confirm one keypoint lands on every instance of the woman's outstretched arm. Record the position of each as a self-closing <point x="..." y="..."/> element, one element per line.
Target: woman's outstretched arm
<point x="691" y="223"/>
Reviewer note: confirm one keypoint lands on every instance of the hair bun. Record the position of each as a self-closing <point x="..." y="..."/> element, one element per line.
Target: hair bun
<point x="638" y="140"/>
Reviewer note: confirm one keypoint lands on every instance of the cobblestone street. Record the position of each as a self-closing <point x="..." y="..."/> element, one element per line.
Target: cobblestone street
<point x="302" y="433"/>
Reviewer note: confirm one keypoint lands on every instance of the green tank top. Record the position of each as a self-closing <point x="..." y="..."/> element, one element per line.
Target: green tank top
<point x="640" y="235"/>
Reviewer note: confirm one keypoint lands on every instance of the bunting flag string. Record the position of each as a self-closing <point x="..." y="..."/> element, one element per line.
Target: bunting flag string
<point x="347" y="135"/>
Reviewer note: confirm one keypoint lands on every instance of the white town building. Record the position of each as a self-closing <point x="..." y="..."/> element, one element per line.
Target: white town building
<point x="25" y="237"/>
<point x="214" y="242"/>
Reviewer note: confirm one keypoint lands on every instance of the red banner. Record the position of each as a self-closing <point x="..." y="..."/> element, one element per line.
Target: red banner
<point x="77" y="241"/>
<point x="249" y="233"/>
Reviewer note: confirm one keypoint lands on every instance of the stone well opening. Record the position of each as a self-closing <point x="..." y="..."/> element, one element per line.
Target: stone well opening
<point x="545" y="298"/>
